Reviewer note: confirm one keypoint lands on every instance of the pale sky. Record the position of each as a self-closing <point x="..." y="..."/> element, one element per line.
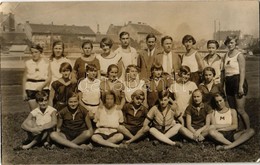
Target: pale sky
<point x="175" y="18"/>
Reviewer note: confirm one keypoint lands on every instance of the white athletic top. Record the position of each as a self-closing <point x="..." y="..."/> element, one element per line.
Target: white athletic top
<point x="183" y="94"/>
<point x="216" y="63"/>
<point x="36" y="71"/>
<point x="108" y="117"/>
<point x="127" y="59"/>
<point x="42" y="118"/>
<point x="105" y="62"/>
<point x="90" y="91"/>
<point x="223" y="118"/>
<point x="191" y="62"/>
<point x="231" y="65"/>
<point x="129" y="91"/>
<point x="55" y="68"/>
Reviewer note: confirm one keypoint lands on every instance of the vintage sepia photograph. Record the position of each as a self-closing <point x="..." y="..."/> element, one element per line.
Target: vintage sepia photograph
<point x="130" y="82"/>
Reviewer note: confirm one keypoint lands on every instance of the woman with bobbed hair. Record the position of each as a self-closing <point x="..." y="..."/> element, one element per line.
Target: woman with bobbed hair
<point x="107" y="57"/>
<point x="192" y="59"/>
<point x="235" y="81"/>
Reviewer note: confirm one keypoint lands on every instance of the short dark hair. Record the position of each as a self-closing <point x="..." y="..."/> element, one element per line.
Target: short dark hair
<point x="110" y="68"/>
<point x="91" y="67"/>
<point x="65" y="66"/>
<point x="110" y="92"/>
<point x="162" y="94"/>
<point x="187" y="38"/>
<point x="72" y="94"/>
<point x="106" y="41"/>
<point x="165" y="38"/>
<point x="156" y="66"/>
<point x="213" y="42"/>
<point x="41" y="95"/>
<point x="209" y="69"/>
<point x="184" y="69"/>
<point x="87" y="42"/>
<point x="231" y="37"/>
<point x="213" y="99"/>
<point x="37" y="47"/>
<point x="58" y="42"/>
<point x="132" y="66"/>
<point x="123" y="33"/>
<point x="150" y="35"/>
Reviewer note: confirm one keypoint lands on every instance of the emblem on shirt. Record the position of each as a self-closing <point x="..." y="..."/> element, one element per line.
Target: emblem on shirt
<point x="228" y="62"/>
<point x="222" y="118"/>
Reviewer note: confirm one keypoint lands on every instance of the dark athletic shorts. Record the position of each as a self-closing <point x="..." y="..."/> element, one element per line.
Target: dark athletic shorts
<point x="104" y="136"/>
<point x="232" y="85"/>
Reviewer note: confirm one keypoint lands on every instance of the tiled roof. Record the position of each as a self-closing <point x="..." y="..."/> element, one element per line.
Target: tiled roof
<point x="144" y="28"/>
<point x="114" y="29"/>
<point x="61" y="29"/>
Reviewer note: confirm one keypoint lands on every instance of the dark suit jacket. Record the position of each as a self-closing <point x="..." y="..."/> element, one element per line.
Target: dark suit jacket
<point x="144" y="62"/>
<point x="176" y="61"/>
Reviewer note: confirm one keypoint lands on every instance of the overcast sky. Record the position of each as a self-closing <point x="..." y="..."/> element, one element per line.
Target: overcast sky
<point x="173" y="18"/>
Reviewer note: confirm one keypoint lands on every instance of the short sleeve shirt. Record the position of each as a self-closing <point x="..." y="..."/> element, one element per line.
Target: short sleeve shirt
<point x="73" y="122"/>
<point x="80" y="66"/>
<point x="42" y="118"/>
<point x="198" y="117"/>
<point x="132" y="118"/>
<point x="108" y="118"/>
<point x="162" y="119"/>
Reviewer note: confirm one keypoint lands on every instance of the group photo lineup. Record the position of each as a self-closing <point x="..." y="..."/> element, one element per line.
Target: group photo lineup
<point x="95" y="82"/>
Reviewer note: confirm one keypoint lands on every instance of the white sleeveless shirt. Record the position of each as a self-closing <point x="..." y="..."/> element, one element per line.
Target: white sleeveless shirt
<point x="191" y="62"/>
<point x="231" y="65"/>
<point x="223" y="118"/>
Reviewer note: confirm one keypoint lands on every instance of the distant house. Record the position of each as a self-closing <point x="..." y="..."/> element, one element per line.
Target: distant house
<point x="7" y="22"/>
<point x="71" y="35"/>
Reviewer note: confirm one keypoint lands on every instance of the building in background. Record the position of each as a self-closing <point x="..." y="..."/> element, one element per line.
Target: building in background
<point x="46" y="34"/>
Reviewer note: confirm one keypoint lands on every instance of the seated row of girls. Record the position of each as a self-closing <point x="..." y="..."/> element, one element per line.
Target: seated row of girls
<point x="219" y="122"/>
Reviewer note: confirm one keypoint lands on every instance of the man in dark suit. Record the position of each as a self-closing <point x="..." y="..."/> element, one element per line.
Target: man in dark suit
<point x="167" y="58"/>
<point x="146" y="57"/>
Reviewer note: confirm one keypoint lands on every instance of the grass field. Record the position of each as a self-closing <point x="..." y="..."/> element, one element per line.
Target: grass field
<point x="14" y="111"/>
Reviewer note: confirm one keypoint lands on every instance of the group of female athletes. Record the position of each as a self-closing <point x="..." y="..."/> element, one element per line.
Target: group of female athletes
<point x="122" y="96"/>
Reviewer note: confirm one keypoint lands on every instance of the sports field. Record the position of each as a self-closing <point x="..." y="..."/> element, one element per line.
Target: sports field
<point x="14" y="111"/>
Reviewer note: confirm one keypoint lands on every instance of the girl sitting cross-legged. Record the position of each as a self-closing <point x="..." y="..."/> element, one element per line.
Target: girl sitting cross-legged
<point x="108" y="119"/>
<point x="164" y="126"/>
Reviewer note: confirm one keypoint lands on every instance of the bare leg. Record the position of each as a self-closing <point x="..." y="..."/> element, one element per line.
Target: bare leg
<point x="160" y="136"/>
<point x="116" y="138"/>
<point x="82" y="137"/>
<point x="125" y="131"/>
<point x="173" y="131"/>
<point x="139" y="134"/>
<point x="187" y="133"/>
<point x="241" y="110"/>
<point x="240" y="138"/>
<point x="218" y="136"/>
<point x="61" y="139"/>
<point x="99" y="139"/>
